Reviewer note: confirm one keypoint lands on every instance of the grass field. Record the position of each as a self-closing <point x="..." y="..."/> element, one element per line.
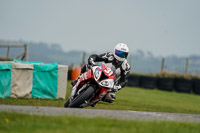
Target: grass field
<point x="22" y="123"/>
<point x="130" y="98"/>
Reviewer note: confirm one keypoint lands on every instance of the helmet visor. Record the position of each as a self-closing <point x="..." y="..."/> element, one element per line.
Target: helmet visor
<point x="121" y="53"/>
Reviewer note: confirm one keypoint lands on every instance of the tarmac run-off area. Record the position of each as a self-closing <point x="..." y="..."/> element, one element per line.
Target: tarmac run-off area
<point x="116" y="114"/>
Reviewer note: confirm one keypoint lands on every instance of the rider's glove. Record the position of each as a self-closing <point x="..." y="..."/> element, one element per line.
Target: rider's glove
<point x="91" y="62"/>
<point x="116" y="88"/>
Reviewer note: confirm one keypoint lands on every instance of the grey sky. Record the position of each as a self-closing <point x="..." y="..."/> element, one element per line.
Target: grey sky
<point x="163" y="27"/>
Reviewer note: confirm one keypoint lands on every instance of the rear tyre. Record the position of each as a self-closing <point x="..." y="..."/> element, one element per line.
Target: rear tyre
<point x="85" y="95"/>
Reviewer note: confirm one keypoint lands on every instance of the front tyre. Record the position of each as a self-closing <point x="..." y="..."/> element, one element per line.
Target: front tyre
<point x="80" y="99"/>
<point x="67" y="103"/>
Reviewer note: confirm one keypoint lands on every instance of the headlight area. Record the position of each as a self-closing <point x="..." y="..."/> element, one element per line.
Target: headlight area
<point x="105" y="83"/>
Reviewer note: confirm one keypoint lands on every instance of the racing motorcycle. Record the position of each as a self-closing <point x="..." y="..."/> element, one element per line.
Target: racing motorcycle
<point x="91" y="87"/>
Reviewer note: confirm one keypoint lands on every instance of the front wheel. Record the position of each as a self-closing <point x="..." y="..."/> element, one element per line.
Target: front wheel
<point x="80" y="99"/>
<point x="67" y="103"/>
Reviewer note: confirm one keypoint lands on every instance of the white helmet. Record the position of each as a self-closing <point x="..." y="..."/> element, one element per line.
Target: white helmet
<point x="121" y="51"/>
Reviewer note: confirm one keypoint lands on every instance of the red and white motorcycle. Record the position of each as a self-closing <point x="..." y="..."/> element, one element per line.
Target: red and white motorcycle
<point x="92" y="86"/>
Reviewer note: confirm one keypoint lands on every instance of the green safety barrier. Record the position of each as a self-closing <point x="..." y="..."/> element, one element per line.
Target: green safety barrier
<point x="5" y="80"/>
<point x="37" y="80"/>
<point x="45" y="78"/>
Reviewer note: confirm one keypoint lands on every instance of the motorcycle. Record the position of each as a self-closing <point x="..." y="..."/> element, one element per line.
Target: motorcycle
<point x="91" y="87"/>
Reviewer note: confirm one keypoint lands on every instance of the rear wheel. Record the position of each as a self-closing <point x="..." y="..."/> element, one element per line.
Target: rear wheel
<point x="80" y="99"/>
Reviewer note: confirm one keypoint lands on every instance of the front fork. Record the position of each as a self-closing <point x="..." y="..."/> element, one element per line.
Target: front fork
<point x="73" y="91"/>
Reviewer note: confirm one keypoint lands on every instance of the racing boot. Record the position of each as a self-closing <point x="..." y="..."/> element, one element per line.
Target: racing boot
<point x="109" y="97"/>
<point x="73" y="91"/>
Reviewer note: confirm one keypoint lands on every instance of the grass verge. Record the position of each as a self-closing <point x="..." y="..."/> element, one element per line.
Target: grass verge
<point x="22" y="123"/>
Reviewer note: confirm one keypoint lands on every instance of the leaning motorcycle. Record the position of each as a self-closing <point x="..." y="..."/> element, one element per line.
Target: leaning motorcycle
<point x="91" y="87"/>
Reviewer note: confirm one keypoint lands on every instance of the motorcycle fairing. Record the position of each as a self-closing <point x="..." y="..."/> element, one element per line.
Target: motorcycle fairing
<point x="84" y="76"/>
<point x="108" y="83"/>
<point x="96" y="73"/>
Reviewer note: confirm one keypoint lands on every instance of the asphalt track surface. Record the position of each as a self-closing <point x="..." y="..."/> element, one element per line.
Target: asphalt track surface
<point x="116" y="114"/>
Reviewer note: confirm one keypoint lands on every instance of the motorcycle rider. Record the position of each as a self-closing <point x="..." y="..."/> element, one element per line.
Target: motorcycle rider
<point x="117" y="59"/>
